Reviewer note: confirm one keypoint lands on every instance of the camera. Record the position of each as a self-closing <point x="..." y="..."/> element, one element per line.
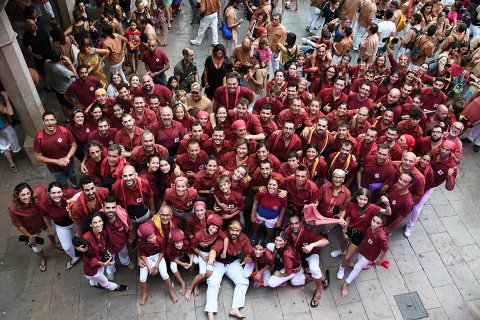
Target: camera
<point x="107" y="256"/>
<point x="24" y="238"/>
<point x="390" y="40"/>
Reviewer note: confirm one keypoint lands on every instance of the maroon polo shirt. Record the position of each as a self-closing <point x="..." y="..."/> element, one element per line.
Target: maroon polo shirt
<point x="222" y="95"/>
<point x="123" y="138"/>
<point x="84" y="92"/>
<point x="168" y="137"/>
<point x="327" y="98"/>
<point x="297" y="198"/>
<point x="155" y="61"/>
<point x="300" y="119"/>
<point x="54" y="146"/>
<point x="187" y="164"/>
<point x="162" y="91"/>
<point x="105" y="141"/>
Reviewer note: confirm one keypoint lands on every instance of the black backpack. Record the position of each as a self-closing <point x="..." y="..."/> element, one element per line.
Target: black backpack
<point x="410" y="45"/>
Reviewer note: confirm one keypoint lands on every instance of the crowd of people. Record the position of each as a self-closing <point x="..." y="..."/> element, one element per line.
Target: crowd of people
<point x="251" y="167"/>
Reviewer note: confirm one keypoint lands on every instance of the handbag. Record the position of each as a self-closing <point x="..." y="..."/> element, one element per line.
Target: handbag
<point x="226" y="31"/>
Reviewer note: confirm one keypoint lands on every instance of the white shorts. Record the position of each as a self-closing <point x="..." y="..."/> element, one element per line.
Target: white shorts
<point x="269" y="223"/>
<point x="9" y="140"/>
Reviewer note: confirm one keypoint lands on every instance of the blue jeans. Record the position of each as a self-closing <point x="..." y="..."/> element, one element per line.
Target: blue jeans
<point x="62" y="176"/>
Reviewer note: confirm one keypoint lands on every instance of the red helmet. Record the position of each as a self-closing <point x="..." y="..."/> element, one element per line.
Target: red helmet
<point x="215" y="219"/>
<point x="176" y="235"/>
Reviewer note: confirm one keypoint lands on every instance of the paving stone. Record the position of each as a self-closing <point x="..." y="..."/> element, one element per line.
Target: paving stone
<point x="430" y="221"/>
<point x="465" y="281"/>
<point x="455" y="194"/>
<point x="123" y="307"/>
<point x="471" y="254"/>
<point x="201" y="314"/>
<point x="176" y="311"/>
<point x="154" y="316"/>
<point x="298" y="316"/>
<point x="267" y="307"/>
<point x="434" y="269"/>
<point x="34" y="303"/>
<point x="443" y="209"/>
<point x="156" y="298"/>
<point x="336" y="287"/>
<point x="327" y="295"/>
<point x="419" y="282"/>
<point x="475" y="232"/>
<point x="474" y="308"/>
<point x="437" y="198"/>
<point x="419" y="240"/>
<point x="391" y="280"/>
<point x="446" y="248"/>
<point x="292" y="300"/>
<point x="404" y="256"/>
<point x="457" y="231"/>
<point x="395" y="309"/>
<point x="17" y="255"/>
<point x="437" y="314"/>
<point x="453" y="304"/>
<point x="352" y="311"/>
<point x="13" y="283"/>
<point x="374" y="300"/>
<point x="466" y="213"/>
<point x="325" y="313"/>
<point x="92" y="296"/>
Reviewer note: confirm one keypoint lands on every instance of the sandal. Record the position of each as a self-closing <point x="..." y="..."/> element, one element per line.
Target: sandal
<point x="169" y="28"/>
<point x="314" y="303"/>
<point x="163" y="44"/>
<point x="326" y="282"/>
<point x="70" y="265"/>
<point x="43" y="267"/>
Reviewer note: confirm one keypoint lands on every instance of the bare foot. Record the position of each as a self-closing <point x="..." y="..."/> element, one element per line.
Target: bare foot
<point x="344" y="290"/>
<point x="143" y="299"/>
<point x="188" y="293"/>
<point x="182" y="289"/>
<point x="196" y="291"/>
<point x="210" y="316"/>
<point x="236" y="313"/>
<point x="174" y="296"/>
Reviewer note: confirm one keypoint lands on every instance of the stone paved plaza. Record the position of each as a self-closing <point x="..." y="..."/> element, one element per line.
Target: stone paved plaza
<point x="440" y="261"/>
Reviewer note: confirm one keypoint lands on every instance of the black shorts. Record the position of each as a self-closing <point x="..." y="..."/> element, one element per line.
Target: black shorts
<point x="355" y="236"/>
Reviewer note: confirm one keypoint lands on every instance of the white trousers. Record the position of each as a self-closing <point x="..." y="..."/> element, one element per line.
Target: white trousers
<point x="234" y="271"/>
<point x="38" y="247"/>
<point x="361" y="263"/>
<point x="174" y="265"/>
<point x="296" y="279"/>
<point x="203" y="265"/>
<point x="314" y="266"/>
<point x="44" y="7"/>
<point x="275" y="62"/>
<point x="361" y="34"/>
<point x="210" y="20"/>
<point x="122" y="256"/>
<point x="152" y="260"/>
<point x="474" y="30"/>
<point x="417" y="208"/>
<point x="248" y="270"/>
<point x="101" y="279"/>
<point x="474" y="134"/>
<point x="229" y="46"/>
<point x="118" y="67"/>
<point x="336" y="59"/>
<point x="314" y="18"/>
<point x="65" y="235"/>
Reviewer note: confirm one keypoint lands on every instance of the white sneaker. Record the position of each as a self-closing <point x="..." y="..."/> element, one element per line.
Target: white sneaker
<point x="340" y="272"/>
<point x="336" y="253"/>
<point x="195" y="43"/>
<point x="110" y="277"/>
<point x="408" y="231"/>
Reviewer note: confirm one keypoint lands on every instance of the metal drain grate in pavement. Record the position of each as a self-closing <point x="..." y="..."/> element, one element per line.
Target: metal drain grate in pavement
<point x="411" y="306"/>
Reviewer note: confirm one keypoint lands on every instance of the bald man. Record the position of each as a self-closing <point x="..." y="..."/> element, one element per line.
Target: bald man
<point x="439" y="118"/>
<point x="407" y="164"/>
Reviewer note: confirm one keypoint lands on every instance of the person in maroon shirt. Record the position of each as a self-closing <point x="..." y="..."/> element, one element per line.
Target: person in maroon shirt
<point x="217" y="145"/>
<point x="308" y="244"/>
<point x="401" y="201"/>
<point x="265" y="117"/>
<point x="148" y="88"/>
<point x="228" y="95"/>
<point x="134" y="194"/>
<point x="81" y="92"/>
<point x="444" y="166"/>
<point x="345" y="160"/>
<point x="381" y="123"/>
<point x="144" y="118"/>
<point x="366" y="145"/>
<point x="124" y="97"/>
<point x="281" y="143"/>
<point x="104" y="134"/>
<point x="262" y="153"/>
<point x="92" y="163"/>
<point x="140" y="153"/>
<point x="272" y="98"/>
<point x="434" y="95"/>
<point x="206" y="179"/>
<point x="90" y="200"/>
<point x="440" y="118"/>
<point x="231" y="266"/>
<point x="119" y="228"/>
<point x="358" y="214"/>
<point x="181" y="199"/>
<point x="376" y="172"/>
<point x="319" y="135"/>
<point x="314" y="162"/>
<point x="252" y="124"/>
<point x="390" y="138"/>
<point x="178" y="250"/>
<point x="341" y="114"/>
<point x="288" y="167"/>
<point x="417" y="187"/>
<point x="152" y="175"/>
<point x="55" y="146"/>
<point x="112" y="166"/>
<point x="370" y="77"/>
<point x="156" y="62"/>
<point x="95" y="254"/>
<point x="359" y="123"/>
<point x="167" y="131"/>
<point x="390" y="102"/>
<point x="196" y="133"/>
<point x="53" y="205"/>
<point x="297" y="115"/>
<point x="151" y="251"/>
<point x="300" y="190"/>
<point x="193" y="160"/>
<point x="361" y="99"/>
<point x="80" y="129"/>
<point x="26" y="216"/>
<point x="333" y="97"/>
<point x="341" y="136"/>
<point x="332" y="197"/>
<point x="130" y="136"/>
<point x="261" y="177"/>
<point x="372" y="250"/>
<point x="291" y="93"/>
<point x="430" y="143"/>
<point x="412" y="125"/>
<point x="229" y="204"/>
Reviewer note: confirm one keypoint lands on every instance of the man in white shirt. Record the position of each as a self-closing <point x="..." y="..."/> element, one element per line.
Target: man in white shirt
<point x="386" y="29"/>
